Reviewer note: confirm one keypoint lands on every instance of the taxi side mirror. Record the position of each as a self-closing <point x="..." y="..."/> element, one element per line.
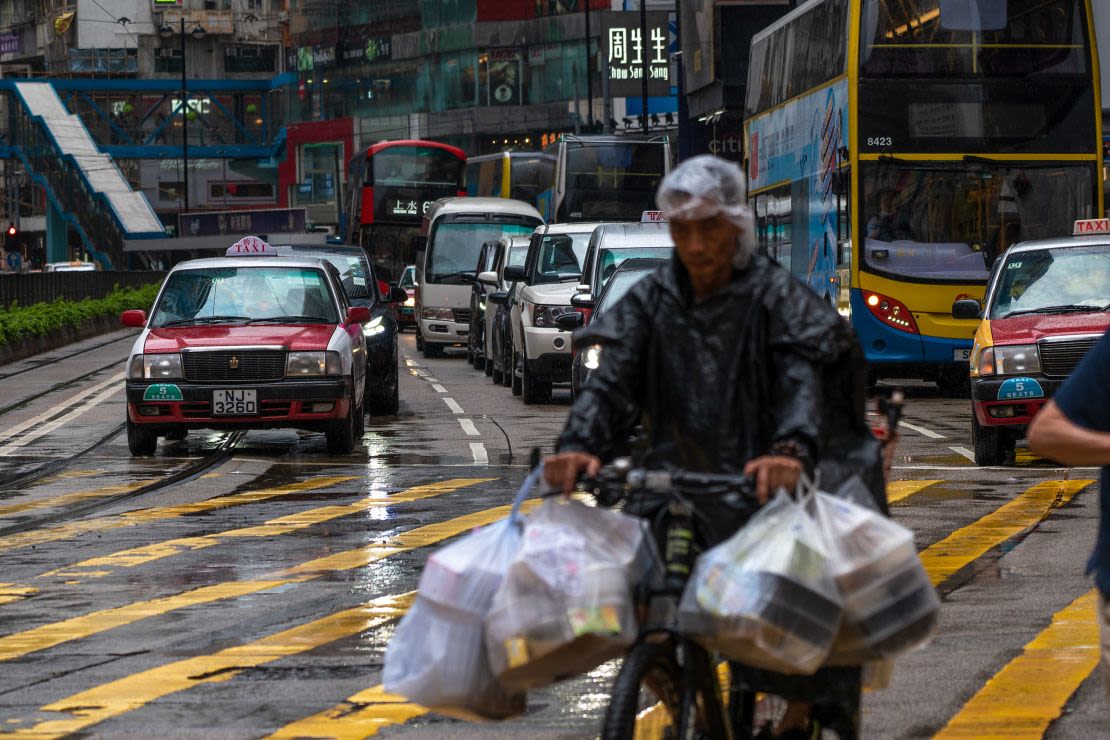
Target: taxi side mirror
<point x="570" y="321"/>
<point x="515" y="274"/>
<point x="358" y="315"/>
<point x="134" y="319"/>
<point x="967" y="308"/>
<point x="397" y="294"/>
<point x="489" y="277"/>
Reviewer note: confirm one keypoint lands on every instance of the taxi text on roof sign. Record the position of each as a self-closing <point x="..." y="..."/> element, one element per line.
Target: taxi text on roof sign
<point x="651" y="217"/>
<point x="1092" y="226"/>
<point x="250" y="246"/>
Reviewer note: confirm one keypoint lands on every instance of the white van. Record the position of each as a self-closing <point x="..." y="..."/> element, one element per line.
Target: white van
<point x="453" y="231"/>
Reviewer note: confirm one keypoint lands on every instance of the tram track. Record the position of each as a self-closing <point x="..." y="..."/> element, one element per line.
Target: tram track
<point x="213" y="458"/>
<point x="55" y="360"/>
<point x="58" y="387"/>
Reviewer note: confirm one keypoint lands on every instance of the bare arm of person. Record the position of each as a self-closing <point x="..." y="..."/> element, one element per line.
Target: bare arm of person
<point x="1054" y="435"/>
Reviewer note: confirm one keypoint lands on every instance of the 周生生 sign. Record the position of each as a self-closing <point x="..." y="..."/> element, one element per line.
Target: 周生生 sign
<point x="626" y="46"/>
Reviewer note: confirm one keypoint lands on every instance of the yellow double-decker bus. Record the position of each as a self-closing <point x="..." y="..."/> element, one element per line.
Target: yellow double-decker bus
<point x="896" y="148"/>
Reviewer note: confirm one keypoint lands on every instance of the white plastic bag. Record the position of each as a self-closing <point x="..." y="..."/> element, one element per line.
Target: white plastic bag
<point x="890" y="606"/>
<point x="437" y="656"/>
<point x="566" y="604"/>
<point x="765" y="597"/>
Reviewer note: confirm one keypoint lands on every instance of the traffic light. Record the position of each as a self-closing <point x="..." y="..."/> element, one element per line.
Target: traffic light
<point x="12" y="230"/>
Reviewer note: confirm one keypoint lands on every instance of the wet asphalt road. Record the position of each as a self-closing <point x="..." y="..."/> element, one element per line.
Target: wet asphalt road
<point x="254" y="596"/>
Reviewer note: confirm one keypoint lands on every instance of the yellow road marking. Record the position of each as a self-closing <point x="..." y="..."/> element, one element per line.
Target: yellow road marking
<point x="66" y="475"/>
<point x="896" y="490"/>
<point x="1022" y="699"/>
<point x="141" y="516"/>
<point x="945" y="558"/>
<point x="76" y="628"/>
<point x="127" y="694"/>
<point x="10" y="592"/>
<point x="70" y="498"/>
<point x="272" y="528"/>
<point x="360" y="715"/>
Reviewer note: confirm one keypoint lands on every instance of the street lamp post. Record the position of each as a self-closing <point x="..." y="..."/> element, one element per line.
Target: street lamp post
<point x="166" y="32"/>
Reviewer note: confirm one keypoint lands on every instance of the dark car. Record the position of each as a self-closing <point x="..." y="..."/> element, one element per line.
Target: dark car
<point x="511" y="251"/>
<point x="406" y="312"/>
<point x="620" y="282"/>
<point x="613" y="244"/>
<point x="476" y="340"/>
<point x="362" y="287"/>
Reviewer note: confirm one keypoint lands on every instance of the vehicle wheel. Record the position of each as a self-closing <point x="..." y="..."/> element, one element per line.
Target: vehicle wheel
<point x="419" y="340"/>
<point x="487" y="365"/>
<point x="491" y="370"/>
<point x="515" y="381"/>
<point x="360" y="421"/>
<point x="534" y="391"/>
<point x="386" y="401"/>
<point x="992" y="446"/>
<point x="432" y="350"/>
<point x="177" y="435"/>
<point x="649" y="677"/>
<point x="479" y="362"/>
<point x="141" y="442"/>
<point x="341" y="434"/>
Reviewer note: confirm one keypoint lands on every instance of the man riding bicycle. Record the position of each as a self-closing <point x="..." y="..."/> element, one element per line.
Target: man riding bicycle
<point x="729" y="365"/>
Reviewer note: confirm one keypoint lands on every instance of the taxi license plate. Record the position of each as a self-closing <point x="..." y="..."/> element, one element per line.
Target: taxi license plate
<point x="961" y="355"/>
<point x="234" y="403"/>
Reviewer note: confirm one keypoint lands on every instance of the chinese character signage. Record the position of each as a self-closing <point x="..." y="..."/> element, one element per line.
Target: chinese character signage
<point x="268" y="221"/>
<point x="11" y="43"/>
<point x="625" y="47"/>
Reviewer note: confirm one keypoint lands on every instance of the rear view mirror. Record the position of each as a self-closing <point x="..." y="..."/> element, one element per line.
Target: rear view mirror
<point x="487" y="278"/>
<point x="134" y="319"/>
<point x="570" y="321"/>
<point x="844" y="254"/>
<point x="358" y="315"/>
<point x="397" y="294"/>
<point x="966" y="308"/>
<point x="515" y="274"/>
<point x="582" y="300"/>
<point x="499" y="297"/>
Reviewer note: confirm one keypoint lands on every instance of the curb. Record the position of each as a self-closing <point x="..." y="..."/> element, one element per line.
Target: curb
<point x="21" y="349"/>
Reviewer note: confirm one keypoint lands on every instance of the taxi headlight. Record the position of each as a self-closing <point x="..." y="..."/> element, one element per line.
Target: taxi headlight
<point x="159" y="367"/>
<point x="310" y="364"/>
<point x="591" y="358"/>
<point x="374" y="327"/>
<point x="1020" y="359"/>
<point x="437" y="314"/>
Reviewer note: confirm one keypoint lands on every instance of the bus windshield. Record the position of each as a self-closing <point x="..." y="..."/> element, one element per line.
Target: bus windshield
<point x="951" y="222"/>
<point x="406" y="166"/>
<point x="612" y="181"/>
<point x="1052" y="280"/>
<point x="973" y="38"/>
<point x="454" y="245"/>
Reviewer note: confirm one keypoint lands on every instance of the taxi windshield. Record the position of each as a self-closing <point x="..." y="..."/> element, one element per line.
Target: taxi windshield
<point x="229" y="295"/>
<point x="1048" y="281"/>
<point x="560" y="258"/>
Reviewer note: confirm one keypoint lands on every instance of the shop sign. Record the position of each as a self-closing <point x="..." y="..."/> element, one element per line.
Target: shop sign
<point x="262" y="221"/>
<point x="11" y="43"/>
<point x="626" y="47"/>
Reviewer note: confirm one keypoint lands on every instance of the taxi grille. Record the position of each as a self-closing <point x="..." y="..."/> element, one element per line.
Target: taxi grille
<point x="462" y="315"/>
<point x="233" y="366"/>
<point x="1058" y="359"/>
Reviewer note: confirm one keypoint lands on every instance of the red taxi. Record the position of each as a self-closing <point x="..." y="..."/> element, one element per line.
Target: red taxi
<point x="248" y="341"/>
<point x="1046" y="306"/>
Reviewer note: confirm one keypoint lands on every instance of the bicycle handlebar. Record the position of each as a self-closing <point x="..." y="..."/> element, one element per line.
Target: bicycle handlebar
<point x="619" y="479"/>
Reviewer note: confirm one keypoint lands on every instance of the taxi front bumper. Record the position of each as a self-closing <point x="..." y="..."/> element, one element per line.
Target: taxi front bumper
<point x="1010" y="401"/>
<point x="300" y="404"/>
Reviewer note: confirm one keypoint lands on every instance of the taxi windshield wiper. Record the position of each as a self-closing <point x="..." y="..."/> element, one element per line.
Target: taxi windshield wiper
<point x="1070" y="308"/>
<point x="291" y="320"/>
<point x="465" y="275"/>
<point x="206" y="320"/>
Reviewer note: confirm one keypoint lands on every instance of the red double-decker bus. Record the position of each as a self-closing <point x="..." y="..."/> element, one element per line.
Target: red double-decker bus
<point x="390" y="186"/>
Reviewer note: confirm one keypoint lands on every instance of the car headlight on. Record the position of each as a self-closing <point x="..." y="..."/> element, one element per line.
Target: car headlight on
<point x="410" y="302"/>
<point x="1018" y="359"/>
<point x="155" y="367"/>
<point x="591" y="358"/>
<point x="437" y="314"/>
<point x="545" y="317"/>
<point x="312" y="364"/>
<point x="374" y="327"/>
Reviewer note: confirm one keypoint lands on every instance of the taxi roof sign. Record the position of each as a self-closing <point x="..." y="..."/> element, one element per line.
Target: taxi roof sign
<point x="250" y="246"/>
<point x="1085" y="226"/>
<point x="652" y="217"/>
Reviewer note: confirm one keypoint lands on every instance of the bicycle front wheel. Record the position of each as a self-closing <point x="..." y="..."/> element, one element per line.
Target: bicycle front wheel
<point x="647" y="695"/>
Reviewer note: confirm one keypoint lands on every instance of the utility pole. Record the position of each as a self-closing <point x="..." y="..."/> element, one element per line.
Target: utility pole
<point x="589" y="68"/>
<point x="644" y="63"/>
<point x="184" y="122"/>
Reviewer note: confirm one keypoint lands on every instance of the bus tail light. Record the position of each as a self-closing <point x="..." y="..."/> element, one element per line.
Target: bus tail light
<point x="890" y="312"/>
